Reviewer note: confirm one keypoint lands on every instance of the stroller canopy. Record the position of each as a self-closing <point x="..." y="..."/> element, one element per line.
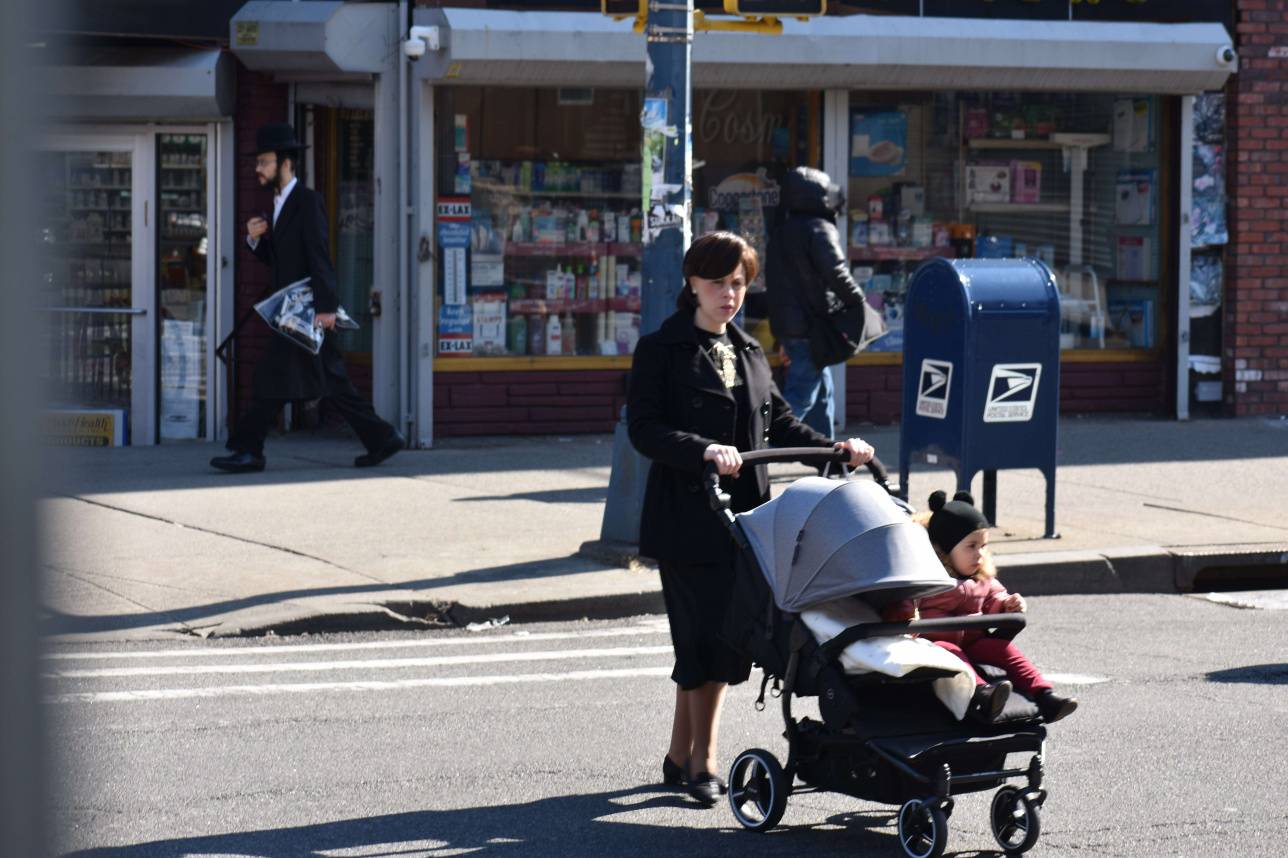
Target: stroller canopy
<point x="824" y="539"/>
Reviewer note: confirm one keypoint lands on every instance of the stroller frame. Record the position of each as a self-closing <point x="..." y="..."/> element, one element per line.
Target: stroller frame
<point x="756" y="777"/>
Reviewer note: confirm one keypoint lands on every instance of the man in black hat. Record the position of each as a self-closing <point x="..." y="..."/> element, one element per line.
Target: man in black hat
<point x="294" y="245"/>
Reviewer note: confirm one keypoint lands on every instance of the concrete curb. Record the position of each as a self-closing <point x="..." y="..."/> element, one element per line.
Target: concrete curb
<point x="1142" y="569"/>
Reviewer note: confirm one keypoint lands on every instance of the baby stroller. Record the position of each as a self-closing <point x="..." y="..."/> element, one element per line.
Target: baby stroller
<point x="881" y="738"/>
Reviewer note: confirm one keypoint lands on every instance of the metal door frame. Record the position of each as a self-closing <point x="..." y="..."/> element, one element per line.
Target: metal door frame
<point x="142" y="141"/>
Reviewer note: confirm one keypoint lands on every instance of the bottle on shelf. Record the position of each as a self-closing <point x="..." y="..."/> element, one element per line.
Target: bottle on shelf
<point x="554" y="335"/>
<point x="516" y="334"/>
<point x="569" y="334"/>
<point x="537" y="335"/>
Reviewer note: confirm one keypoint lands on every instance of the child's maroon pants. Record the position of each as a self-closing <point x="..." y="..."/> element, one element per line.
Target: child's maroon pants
<point x="997" y="652"/>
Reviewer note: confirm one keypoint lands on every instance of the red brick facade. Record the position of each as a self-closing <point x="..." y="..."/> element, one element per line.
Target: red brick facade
<point x="589" y="401"/>
<point x="545" y="402"/>
<point x="1256" y="285"/>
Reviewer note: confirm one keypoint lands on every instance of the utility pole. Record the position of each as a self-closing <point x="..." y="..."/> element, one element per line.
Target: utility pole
<point x="667" y="206"/>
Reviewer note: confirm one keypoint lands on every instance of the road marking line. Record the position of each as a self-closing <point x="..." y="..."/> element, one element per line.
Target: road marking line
<point x="390" y="685"/>
<point x="371" y="664"/>
<point x="277" y="649"/>
<point x="1075" y="678"/>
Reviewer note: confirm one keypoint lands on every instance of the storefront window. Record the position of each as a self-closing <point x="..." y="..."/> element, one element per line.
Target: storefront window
<point x="87" y="282"/>
<point x="1072" y="180"/>
<point x="744" y="141"/>
<point x="539" y="222"/>
<point x="182" y="246"/>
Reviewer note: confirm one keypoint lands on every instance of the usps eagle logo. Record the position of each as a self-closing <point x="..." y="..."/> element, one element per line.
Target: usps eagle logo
<point x="1012" y="392"/>
<point x="932" y="388"/>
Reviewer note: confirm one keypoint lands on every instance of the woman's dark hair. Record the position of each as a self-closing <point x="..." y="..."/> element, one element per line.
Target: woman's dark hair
<point x="715" y="255"/>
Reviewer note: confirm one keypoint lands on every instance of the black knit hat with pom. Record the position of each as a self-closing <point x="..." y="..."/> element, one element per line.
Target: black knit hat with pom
<point x="953" y="520"/>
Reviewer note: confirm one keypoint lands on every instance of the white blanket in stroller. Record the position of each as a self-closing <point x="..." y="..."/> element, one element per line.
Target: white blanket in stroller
<point x="897" y="655"/>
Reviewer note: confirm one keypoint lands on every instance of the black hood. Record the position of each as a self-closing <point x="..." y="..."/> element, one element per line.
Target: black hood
<point x="810" y="191"/>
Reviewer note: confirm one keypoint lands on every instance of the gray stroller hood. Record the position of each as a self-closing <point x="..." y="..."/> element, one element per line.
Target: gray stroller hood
<point x="825" y="539"/>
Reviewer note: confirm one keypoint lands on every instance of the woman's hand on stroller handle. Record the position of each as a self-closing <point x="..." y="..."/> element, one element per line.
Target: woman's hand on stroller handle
<point x="859" y="452"/>
<point x="726" y="460"/>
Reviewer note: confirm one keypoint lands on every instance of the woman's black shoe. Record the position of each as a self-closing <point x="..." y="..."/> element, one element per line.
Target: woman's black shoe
<point x="989" y="701"/>
<point x="238" y="463"/>
<point x="705" y="788"/>
<point x="672" y="775"/>
<point x="1054" y="707"/>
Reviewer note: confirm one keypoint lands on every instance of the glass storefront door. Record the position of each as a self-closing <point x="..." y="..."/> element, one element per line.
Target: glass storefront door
<point x="183" y="245"/>
<point x="97" y="359"/>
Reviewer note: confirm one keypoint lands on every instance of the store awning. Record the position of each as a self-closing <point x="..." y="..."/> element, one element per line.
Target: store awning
<point x="322" y="39"/>
<point x="855" y="52"/>
<point x="114" y="84"/>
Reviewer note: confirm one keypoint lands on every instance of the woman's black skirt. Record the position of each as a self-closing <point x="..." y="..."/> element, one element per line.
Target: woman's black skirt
<point x="697" y="596"/>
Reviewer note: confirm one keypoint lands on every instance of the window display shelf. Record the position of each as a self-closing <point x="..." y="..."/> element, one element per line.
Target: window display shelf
<point x="515" y="190"/>
<point x="1018" y="208"/>
<point x="574" y="249"/>
<point x="1055" y="141"/>
<point x="884" y="253"/>
<point x="540" y="306"/>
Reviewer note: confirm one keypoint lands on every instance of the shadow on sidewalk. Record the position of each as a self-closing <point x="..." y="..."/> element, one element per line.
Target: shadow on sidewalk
<point x="61" y="624"/>
<point x="329" y="457"/>
<point x="558" y="826"/>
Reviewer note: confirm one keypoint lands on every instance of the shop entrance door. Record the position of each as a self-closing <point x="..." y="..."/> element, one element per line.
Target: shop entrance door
<point x="97" y="289"/>
<point x="340" y="165"/>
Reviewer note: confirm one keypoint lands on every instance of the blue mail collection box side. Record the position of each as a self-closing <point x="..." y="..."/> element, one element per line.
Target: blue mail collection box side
<point x="981" y="377"/>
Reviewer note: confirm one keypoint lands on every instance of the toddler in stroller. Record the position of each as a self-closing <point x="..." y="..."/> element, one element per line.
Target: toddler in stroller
<point x="883" y="736"/>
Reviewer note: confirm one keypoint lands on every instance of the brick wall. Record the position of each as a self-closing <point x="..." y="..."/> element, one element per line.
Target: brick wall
<point x="1256" y="284"/>
<point x="569" y="402"/>
<point x="259" y="102"/>
<point x="874" y="394"/>
<point x="527" y="403"/>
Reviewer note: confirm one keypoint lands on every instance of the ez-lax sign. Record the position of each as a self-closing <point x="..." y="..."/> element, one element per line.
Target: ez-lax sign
<point x="1012" y="392"/>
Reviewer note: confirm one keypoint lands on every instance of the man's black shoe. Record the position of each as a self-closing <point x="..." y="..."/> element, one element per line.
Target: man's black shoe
<point x="393" y="445"/>
<point x="238" y="463"/>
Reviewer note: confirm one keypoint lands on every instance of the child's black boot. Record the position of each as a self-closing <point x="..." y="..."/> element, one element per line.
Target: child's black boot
<point x="989" y="701"/>
<point x="1054" y="707"/>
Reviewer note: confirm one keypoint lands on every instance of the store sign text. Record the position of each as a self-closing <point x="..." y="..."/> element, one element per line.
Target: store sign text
<point x="721" y="123"/>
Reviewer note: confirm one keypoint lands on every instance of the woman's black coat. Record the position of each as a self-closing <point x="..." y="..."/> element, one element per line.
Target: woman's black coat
<point x="676" y="408"/>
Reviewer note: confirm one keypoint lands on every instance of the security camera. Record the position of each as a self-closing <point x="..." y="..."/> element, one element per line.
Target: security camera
<point x="420" y="40"/>
<point x="413" y="49"/>
<point x="1225" y="55"/>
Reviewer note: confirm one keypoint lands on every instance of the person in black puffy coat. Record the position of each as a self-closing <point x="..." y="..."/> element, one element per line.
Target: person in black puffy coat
<point x="806" y="272"/>
<point x="701" y="391"/>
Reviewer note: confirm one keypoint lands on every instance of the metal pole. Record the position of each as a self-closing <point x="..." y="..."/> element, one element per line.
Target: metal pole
<point x="667" y="207"/>
<point x="1184" y="259"/>
<point x="670" y="38"/>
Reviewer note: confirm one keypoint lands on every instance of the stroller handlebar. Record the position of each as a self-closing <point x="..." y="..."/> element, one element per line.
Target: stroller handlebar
<point x="808" y="455"/>
<point x="1006" y="625"/>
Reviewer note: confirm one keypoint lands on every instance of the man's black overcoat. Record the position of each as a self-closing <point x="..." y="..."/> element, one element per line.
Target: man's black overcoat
<point x="296" y="247"/>
<point x="677" y="406"/>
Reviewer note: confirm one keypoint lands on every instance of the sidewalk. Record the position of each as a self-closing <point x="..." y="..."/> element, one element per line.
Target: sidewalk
<point x="150" y="543"/>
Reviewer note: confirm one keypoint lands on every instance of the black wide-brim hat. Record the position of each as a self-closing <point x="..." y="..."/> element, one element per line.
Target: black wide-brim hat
<point x="277" y="137"/>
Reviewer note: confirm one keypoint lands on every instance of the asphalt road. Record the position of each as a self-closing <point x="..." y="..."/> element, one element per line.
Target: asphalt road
<point x="547" y="740"/>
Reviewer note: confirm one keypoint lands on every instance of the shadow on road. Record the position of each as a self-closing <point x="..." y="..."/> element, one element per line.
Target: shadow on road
<point x="558" y="826"/>
<point x="1254" y="674"/>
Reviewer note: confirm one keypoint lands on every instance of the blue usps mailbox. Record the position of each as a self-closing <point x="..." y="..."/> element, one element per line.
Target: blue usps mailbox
<point x="981" y="372"/>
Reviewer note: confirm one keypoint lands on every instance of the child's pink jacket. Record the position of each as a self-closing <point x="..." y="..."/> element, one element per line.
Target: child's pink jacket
<point x="970" y="596"/>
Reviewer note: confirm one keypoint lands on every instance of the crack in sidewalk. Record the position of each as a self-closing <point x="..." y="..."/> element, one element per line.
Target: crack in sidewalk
<point x="231" y="536"/>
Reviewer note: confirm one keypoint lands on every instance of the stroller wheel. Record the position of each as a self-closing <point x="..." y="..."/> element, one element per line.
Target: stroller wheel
<point x="757" y="790"/>
<point x="923" y="829"/>
<point x="1015" y="820"/>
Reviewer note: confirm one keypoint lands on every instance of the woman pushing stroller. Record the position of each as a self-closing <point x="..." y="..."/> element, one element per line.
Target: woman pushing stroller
<point x="700" y="391"/>
<point x="959" y="533"/>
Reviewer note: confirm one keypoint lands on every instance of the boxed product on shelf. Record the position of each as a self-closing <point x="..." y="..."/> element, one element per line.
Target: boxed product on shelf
<point x="1135" y="259"/>
<point x="1135" y="198"/>
<point x="1134" y="320"/>
<point x="988" y="183"/>
<point x="1026" y="181"/>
